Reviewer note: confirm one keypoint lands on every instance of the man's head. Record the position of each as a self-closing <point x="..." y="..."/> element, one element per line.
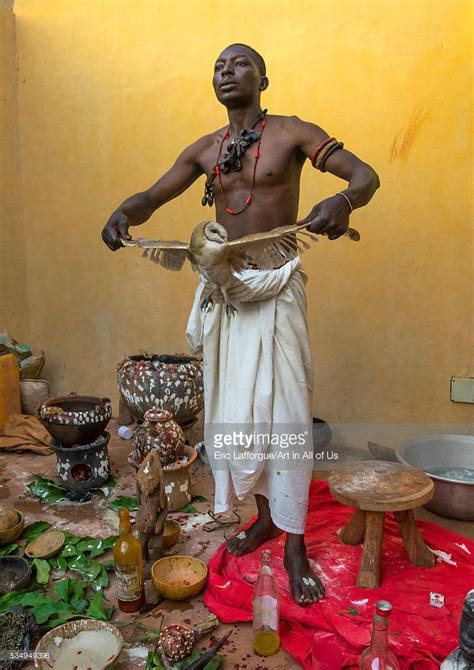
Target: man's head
<point x="239" y="75"/>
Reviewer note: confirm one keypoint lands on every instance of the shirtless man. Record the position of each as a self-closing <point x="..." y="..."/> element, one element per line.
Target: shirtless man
<point x="286" y="143"/>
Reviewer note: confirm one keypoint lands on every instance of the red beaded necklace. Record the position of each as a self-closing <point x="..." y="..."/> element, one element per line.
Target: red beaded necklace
<point x="217" y="171"/>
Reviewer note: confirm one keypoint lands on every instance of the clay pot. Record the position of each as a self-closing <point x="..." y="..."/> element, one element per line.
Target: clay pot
<point x="174" y="383"/>
<point x="177" y="479"/>
<point x="162" y="433"/>
<point x="75" y="419"/>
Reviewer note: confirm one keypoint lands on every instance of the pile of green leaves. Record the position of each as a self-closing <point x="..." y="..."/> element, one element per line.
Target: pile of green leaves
<point x="79" y="555"/>
<point x="153" y="662"/>
<point x="69" y="600"/>
<point x="51" y="491"/>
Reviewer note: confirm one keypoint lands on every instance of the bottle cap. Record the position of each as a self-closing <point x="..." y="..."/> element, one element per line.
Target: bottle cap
<point x="383" y="608"/>
<point x="266" y="555"/>
<point x="125" y="432"/>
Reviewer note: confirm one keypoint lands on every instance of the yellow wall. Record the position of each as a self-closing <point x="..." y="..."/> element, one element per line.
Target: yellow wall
<point x="14" y="313"/>
<point x="111" y="91"/>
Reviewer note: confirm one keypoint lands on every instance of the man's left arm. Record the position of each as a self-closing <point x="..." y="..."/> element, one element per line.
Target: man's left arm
<point x="331" y="216"/>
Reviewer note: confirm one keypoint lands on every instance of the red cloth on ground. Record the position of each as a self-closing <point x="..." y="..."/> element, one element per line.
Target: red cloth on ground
<point x="420" y="635"/>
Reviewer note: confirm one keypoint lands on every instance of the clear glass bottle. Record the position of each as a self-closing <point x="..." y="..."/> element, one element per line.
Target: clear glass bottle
<point x="128" y="567"/>
<point x="378" y="656"/>
<point x="266" y="638"/>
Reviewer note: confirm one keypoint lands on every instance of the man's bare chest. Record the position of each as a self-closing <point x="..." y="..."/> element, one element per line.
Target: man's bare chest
<point x="273" y="161"/>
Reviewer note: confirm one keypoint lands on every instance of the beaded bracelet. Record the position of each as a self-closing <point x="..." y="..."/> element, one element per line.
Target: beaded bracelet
<point x="330" y="151"/>
<point x="320" y="147"/>
<point x="346" y="198"/>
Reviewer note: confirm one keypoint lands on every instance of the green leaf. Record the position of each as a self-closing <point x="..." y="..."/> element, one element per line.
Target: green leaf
<point x="96" y="608"/>
<point x="86" y="544"/>
<point x="103" y="580"/>
<point x="61" y="563"/>
<point x="111" y="484"/>
<point x="79" y="563"/>
<point x="123" y="501"/>
<point x="34" y="530"/>
<point x="108" y="565"/>
<point x="43" y="569"/>
<point x="198" y="499"/>
<point x="103" y="545"/>
<point x="70" y="538"/>
<point x="8" y="549"/>
<point x="23" y="598"/>
<point x="62" y="589"/>
<point x="189" y="509"/>
<point x="46" y="490"/>
<point x="62" y="617"/>
<point x="77" y="589"/>
<point x="43" y="612"/>
<point x="68" y="550"/>
<point x="80" y="605"/>
<point x="353" y="610"/>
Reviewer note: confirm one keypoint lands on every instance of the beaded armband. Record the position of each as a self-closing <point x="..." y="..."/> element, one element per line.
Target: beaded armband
<point x="323" y="151"/>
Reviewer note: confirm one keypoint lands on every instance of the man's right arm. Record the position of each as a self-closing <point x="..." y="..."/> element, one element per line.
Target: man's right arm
<point x="139" y="207"/>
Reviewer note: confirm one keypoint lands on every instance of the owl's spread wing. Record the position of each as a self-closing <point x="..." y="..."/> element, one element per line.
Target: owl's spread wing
<point x="275" y="247"/>
<point x="170" y="254"/>
<point x="270" y="249"/>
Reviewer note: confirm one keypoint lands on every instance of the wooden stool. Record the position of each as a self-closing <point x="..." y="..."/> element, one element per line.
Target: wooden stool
<point x="373" y="488"/>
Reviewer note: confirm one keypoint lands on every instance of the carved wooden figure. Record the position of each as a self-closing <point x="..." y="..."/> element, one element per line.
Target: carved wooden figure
<point x="151" y="515"/>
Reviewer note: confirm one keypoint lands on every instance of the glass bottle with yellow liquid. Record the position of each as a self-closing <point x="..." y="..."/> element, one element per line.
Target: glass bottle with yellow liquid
<point x="128" y="567"/>
<point x="266" y="638"/>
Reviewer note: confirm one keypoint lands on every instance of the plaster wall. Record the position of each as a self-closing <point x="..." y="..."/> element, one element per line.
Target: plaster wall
<point x="14" y="313"/>
<point x="109" y="94"/>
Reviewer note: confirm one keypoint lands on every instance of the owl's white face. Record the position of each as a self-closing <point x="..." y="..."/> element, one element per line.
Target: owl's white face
<point x="215" y="232"/>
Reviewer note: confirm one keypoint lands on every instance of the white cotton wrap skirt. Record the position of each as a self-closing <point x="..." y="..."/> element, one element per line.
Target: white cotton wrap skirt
<point x="258" y="381"/>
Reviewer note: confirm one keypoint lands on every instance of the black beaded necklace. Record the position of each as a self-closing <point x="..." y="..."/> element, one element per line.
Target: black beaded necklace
<point x="231" y="160"/>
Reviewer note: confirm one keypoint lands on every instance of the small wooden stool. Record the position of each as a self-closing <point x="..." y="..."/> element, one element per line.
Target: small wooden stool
<point x="373" y="488"/>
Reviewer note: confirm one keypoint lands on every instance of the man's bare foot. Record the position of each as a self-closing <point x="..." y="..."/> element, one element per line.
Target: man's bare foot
<point x="306" y="588"/>
<point x="262" y="530"/>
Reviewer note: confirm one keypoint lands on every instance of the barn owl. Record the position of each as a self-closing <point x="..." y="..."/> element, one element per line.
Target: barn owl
<point x="218" y="259"/>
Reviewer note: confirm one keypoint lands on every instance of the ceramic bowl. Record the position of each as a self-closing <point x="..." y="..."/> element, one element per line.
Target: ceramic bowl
<point x="14" y="531"/>
<point x="171" y="533"/>
<point x="75" y="419"/>
<point x="48" y="645"/>
<point x="179" y="577"/>
<point x="15" y="573"/>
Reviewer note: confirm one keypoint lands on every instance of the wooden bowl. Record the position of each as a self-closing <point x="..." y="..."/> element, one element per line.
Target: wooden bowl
<point x="15" y="573"/>
<point x="179" y="577"/>
<point x="10" y="534"/>
<point x="48" y="643"/>
<point x="171" y="533"/>
<point x="46" y="545"/>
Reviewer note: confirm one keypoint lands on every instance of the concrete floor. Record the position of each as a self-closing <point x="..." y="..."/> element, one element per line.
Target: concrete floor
<point x="93" y="518"/>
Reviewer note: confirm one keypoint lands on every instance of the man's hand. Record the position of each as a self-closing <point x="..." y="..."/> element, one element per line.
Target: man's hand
<point x="329" y="217"/>
<point x="115" y="229"/>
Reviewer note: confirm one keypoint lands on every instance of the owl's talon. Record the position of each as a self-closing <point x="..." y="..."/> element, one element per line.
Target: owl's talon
<point x="230" y="310"/>
<point x="206" y="305"/>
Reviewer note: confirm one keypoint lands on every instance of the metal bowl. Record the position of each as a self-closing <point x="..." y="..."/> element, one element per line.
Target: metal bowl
<point x="449" y="461"/>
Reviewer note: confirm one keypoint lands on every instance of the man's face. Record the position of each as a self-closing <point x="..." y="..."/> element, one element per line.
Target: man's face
<point x="236" y="77"/>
